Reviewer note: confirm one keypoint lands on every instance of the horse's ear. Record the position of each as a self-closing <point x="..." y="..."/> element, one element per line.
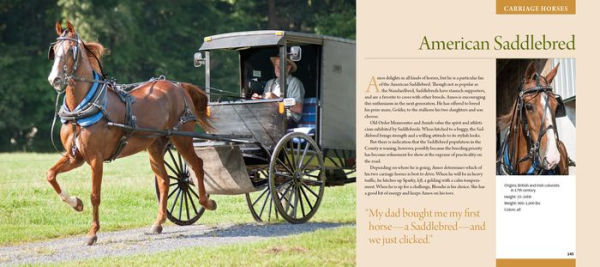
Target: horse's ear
<point x="552" y="74"/>
<point x="70" y="27"/>
<point x="58" y="28"/>
<point x="530" y="71"/>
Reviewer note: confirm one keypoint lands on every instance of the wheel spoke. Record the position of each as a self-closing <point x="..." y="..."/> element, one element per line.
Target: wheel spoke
<point x="264" y="204"/>
<point x="289" y="161"/>
<point x="295" y="210"/>
<point x="301" y="161"/>
<point x="194" y="192"/>
<point x="284" y="165"/>
<point x="301" y="202"/>
<point x="293" y="162"/>
<point x="186" y="171"/>
<point x="174" y="161"/>
<point x="173" y="184"/>
<point x="310" y="190"/>
<point x="288" y="201"/>
<point x="259" y="197"/>
<point x="171" y="168"/>
<point x="170" y="194"/>
<point x="192" y="201"/>
<point x="174" y="201"/>
<point x="187" y="208"/>
<point x="284" y="191"/>
<point x="298" y="150"/>
<point x="270" y="204"/>
<point x="308" y="162"/>
<point x="180" y="207"/>
<point x="306" y="197"/>
<point x="180" y="164"/>
<point x="284" y="175"/>
<point x="282" y="184"/>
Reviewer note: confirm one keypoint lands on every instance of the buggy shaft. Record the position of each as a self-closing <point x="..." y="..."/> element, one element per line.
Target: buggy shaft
<point x="181" y="133"/>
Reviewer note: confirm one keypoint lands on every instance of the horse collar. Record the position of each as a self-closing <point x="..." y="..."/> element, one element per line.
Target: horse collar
<point x="91" y="109"/>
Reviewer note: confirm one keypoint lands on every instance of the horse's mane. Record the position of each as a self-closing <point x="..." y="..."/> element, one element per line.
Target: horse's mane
<point x="97" y="51"/>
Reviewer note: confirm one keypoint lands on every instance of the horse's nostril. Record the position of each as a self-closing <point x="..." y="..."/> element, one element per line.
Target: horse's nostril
<point x="56" y="81"/>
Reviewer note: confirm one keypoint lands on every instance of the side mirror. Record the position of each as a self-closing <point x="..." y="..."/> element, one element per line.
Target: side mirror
<point x="198" y="59"/>
<point x="295" y="53"/>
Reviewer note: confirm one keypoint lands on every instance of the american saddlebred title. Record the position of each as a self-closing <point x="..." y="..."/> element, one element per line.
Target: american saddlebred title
<point x="516" y="42"/>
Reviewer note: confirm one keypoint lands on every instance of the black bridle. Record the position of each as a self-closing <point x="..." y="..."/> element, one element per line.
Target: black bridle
<point x="76" y="52"/>
<point x="509" y="158"/>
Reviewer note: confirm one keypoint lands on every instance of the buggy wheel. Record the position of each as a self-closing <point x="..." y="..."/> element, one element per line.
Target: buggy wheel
<point x="260" y="202"/>
<point x="182" y="197"/>
<point x="297" y="177"/>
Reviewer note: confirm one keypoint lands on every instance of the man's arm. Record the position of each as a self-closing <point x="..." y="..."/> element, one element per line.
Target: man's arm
<point x="296" y="91"/>
<point x="297" y="108"/>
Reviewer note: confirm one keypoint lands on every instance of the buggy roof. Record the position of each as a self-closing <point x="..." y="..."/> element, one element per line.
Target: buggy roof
<point x="242" y="40"/>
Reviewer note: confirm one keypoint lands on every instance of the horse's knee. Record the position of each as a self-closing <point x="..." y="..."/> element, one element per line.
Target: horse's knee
<point x="95" y="199"/>
<point x="164" y="182"/>
<point x="50" y="176"/>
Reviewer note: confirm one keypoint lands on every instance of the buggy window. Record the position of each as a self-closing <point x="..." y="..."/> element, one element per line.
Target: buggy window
<point x="257" y="69"/>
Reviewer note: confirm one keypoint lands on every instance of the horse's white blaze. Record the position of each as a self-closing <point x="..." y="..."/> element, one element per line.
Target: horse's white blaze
<point x="55" y="67"/>
<point x="72" y="201"/>
<point x="551" y="155"/>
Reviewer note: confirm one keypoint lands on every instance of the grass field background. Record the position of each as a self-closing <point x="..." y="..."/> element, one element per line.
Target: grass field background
<point x="30" y="210"/>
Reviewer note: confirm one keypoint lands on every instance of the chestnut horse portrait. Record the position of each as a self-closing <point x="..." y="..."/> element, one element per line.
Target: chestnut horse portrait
<point x="531" y="144"/>
<point x="91" y="102"/>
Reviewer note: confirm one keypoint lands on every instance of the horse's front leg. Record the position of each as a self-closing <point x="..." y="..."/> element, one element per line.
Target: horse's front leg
<point x="157" y="162"/>
<point x="64" y="164"/>
<point x="97" y="164"/>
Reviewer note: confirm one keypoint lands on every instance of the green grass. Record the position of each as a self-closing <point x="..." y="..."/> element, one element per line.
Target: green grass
<point x="30" y="210"/>
<point x="334" y="247"/>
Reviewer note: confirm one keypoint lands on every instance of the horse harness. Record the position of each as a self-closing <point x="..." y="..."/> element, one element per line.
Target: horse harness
<point x="93" y="107"/>
<point x="509" y="164"/>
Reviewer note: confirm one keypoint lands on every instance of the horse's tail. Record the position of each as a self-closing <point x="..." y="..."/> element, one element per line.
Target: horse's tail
<point x="200" y="100"/>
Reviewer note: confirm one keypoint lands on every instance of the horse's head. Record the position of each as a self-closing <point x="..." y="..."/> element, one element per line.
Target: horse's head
<point x="539" y="107"/>
<point x="66" y="54"/>
<point x="72" y="57"/>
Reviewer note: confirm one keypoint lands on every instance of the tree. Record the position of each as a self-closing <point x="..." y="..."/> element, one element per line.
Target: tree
<point x="145" y="39"/>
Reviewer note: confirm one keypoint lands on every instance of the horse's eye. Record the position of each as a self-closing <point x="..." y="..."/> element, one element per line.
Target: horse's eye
<point x="529" y="107"/>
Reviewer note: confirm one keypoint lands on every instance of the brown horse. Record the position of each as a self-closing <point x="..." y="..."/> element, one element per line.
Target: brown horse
<point x="155" y="104"/>
<point x="531" y="144"/>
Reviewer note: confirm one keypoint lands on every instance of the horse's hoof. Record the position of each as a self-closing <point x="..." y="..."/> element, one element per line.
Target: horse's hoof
<point x="156" y="229"/>
<point x="90" y="240"/>
<point x="79" y="206"/>
<point x="212" y="205"/>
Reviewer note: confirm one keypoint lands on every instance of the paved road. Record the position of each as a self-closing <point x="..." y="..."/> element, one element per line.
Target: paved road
<point x="138" y="241"/>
